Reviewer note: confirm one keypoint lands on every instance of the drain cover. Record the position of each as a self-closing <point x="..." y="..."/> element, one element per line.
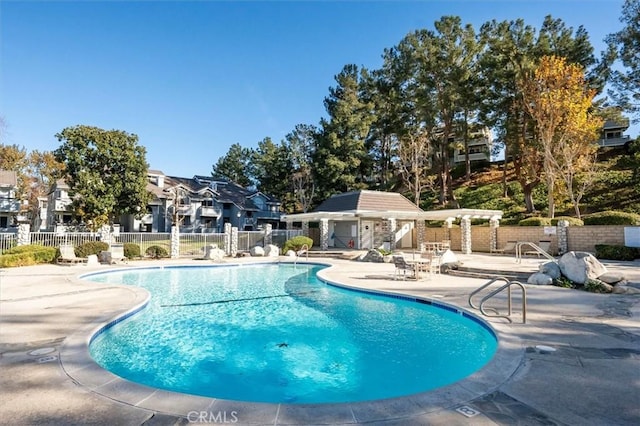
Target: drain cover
<point x="47" y="359"/>
<point x="41" y="351"/>
<point x="543" y="349"/>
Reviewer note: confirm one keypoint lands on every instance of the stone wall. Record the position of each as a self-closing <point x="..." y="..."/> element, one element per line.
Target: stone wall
<point x="580" y="238"/>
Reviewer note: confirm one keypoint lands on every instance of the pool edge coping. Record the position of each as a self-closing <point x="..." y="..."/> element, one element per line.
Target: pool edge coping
<point x="80" y="367"/>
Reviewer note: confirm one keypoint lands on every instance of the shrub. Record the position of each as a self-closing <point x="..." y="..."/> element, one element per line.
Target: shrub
<point x="28" y="255"/>
<point x="156" y="252"/>
<point x="595" y="286"/>
<point x="131" y="250"/>
<point x="564" y="282"/>
<point x="91" y="247"/>
<point x="573" y="221"/>
<point x="612" y="252"/>
<point x="296" y="243"/>
<point x="535" y="221"/>
<point x="612" y="218"/>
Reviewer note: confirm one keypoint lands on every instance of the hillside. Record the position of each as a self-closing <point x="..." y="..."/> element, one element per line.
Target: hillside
<point x="613" y="189"/>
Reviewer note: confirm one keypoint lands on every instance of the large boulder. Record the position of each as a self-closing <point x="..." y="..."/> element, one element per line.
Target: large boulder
<point x="625" y="289"/>
<point x="540" y="279"/>
<point x="580" y="266"/>
<point x="272" y="251"/>
<point x="257" y="251"/>
<point x="373" y="255"/>
<point x="212" y="252"/>
<point x="551" y="269"/>
<point x="613" y="278"/>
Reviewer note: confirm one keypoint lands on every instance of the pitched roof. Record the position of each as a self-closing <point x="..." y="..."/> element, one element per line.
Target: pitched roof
<point x="8" y="178"/>
<point x="373" y="201"/>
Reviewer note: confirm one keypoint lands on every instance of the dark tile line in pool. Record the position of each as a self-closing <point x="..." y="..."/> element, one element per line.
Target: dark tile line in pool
<point x="121" y="318"/>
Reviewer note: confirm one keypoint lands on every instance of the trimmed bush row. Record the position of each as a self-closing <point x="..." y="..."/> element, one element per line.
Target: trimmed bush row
<point x="28" y="255"/>
<point x="612" y="252"/>
<point x="612" y="218"/>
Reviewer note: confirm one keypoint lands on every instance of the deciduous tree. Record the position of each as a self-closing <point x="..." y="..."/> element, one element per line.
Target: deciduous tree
<point x="106" y="171"/>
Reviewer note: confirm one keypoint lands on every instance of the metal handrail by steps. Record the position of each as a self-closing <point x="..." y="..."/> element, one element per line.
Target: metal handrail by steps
<point x="507" y="285"/>
<point x="536" y="247"/>
<point x="304" y="249"/>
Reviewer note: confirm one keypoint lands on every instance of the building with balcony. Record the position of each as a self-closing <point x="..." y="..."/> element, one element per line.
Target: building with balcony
<point x="58" y="206"/>
<point x="613" y="134"/>
<point x="9" y="204"/>
<point x="202" y="204"/>
<point x="479" y="146"/>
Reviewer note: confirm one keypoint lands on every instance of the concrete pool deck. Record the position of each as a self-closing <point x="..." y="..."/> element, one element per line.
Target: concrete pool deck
<point x="592" y="377"/>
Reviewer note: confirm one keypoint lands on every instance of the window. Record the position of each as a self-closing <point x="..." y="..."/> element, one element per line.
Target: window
<point x="207" y="202"/>
<point x="4" y="222"/>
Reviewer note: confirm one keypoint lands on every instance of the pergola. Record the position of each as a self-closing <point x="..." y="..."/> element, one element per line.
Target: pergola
<point x="366" y="211"/>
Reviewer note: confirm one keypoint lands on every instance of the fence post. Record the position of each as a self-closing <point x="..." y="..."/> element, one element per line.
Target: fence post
<point x="105" y="234"/>
<point x="234" y="241"/>
<point x="563" y="237"/>
<point x="268" y="234"/>
<point x="24" y="234"/>
<point x="227" y="239"/>
<point x="175" y="242"/>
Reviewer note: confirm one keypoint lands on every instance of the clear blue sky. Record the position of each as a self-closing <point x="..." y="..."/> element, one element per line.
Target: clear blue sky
<point x="192" y="78"/>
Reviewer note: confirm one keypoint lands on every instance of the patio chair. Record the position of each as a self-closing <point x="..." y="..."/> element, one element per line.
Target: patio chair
<point x="545" y="245"/>
<point x="68" y="256"/>
<point x="510" y="247"/>
<point x="401" y="265"/>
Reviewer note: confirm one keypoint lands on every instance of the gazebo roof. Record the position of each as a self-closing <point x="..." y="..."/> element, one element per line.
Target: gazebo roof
<point x="383" y="205"/>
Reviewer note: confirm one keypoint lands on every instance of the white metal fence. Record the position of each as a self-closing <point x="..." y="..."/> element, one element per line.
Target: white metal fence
<point x="7" y="241"/>
<point x="55" y="239"/>
<point x="191" y="244"/>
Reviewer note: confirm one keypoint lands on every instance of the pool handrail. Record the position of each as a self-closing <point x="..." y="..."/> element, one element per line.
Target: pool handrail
<point x="303" y="250"/>
<point x="535" y="247"/>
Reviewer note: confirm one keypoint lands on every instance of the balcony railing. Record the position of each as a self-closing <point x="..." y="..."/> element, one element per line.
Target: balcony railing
<point x="61" y="205"/>
<point x="210" y="211"/>
<point x="614" y="141"/>
<point x="9" y="205"/>
<point x="267" y="215"/>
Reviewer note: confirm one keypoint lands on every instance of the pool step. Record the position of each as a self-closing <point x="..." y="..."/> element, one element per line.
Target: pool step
<point x="463" y="271"/>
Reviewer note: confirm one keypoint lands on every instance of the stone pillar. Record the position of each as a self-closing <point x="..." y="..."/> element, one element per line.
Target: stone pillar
<point x="105" y="234"/>
<point x="465" y="230"/>
<point x="227" y="239"/>
<point x="420" y="233"/>
<point x="392" y="227"/>
<point x="563" y="237"/>
<point x="234" y="241"/>
<point x="324" y="234"/>
<point x="175" y="242"/>
<point x="494" y="224"/>
<point x="305" y="228"/>
<point x="24" y="234"/>
<point x="268" y="234"/>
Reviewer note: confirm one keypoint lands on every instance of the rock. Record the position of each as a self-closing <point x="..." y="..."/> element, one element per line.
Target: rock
<point x="597" y="286"/>
<point x="612" y="277"/>
<point x="580" y="266"/>
<point x="540" y="279"/>
<point x="257" y="251"/>
<point x="373" y="255"/>
<point x="625" y="289"/>
<point x="551" y="269"/>
<point x="212" y="252"/>
<point x="272" y="251"/>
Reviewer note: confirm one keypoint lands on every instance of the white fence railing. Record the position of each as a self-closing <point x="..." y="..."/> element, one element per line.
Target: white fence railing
<point x="7" y="241"/>
<point x="55" y="239"/>
<point x="191" y="244"/>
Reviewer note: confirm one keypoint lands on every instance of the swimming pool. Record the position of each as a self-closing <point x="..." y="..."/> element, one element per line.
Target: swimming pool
<point x="276" y="333"/>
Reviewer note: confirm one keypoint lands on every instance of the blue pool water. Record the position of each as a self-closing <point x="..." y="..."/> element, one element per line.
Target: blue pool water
<point x="276" y="333"/>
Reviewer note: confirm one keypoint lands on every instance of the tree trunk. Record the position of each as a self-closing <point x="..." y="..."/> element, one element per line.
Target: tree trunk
<point x="527" y="191"/>
<point x="550" y="197"/>
<point x="505" y="189"/>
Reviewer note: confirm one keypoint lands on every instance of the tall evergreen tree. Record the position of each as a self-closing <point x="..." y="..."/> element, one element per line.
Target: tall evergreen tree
<point x="236" y="165"/>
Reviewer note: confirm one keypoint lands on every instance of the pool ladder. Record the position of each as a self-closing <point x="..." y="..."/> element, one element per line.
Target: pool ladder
<point x="303" y="250"/>
<point x="507" y="284"/>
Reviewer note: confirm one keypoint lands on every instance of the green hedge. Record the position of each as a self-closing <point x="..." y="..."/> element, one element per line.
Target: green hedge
<point x="156" y="252"/>
<point x="91" y="247"/>
<point x="535" y="221"/>
<point x="296" y="243"/>
<point x="131" y="250"/>
<point x="27" y="255"/>
<point x="573" y="221"/>
<point x="612" y="252"/>
<point x="612" y="218"/>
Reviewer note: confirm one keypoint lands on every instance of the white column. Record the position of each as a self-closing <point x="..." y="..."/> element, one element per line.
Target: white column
<point x="465" y="228"/>
<point x="324" y="234"/>
<point x="494" y="224"/>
